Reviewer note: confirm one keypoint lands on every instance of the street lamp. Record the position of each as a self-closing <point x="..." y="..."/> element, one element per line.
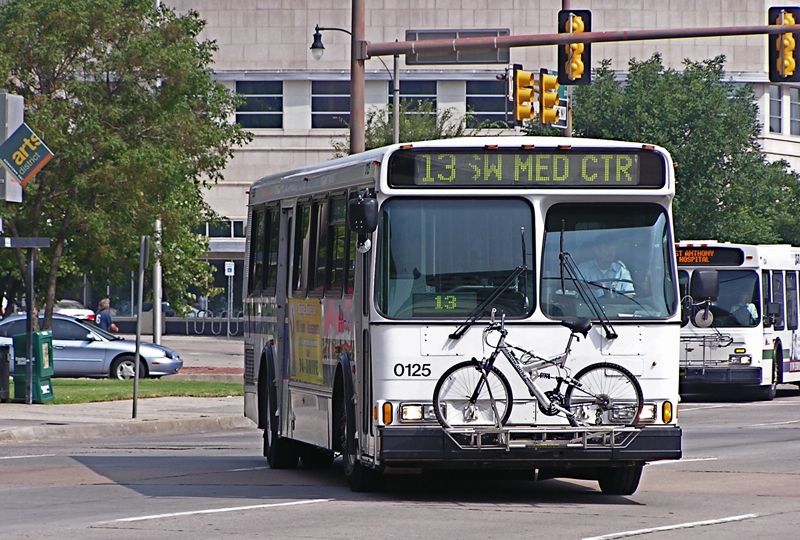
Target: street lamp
<point x="317" y="50"/>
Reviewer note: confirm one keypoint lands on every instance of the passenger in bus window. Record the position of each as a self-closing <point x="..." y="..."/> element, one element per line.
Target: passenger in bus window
<point x="606" y="272"/>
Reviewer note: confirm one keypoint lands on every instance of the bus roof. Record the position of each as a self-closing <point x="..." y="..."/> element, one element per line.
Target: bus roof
<point x="353" y="166"/>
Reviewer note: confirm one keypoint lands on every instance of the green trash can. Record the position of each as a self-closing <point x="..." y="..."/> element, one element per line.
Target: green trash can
<point x="42" y="366"/>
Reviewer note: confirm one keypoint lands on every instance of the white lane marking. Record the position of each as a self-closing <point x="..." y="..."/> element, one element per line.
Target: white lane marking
<point x="776" y="423"/>
<point x="246" y="469"/>
<point x="684" y="460"/>
<point x="27" y="457"/>
<point x="673" y="527"/>
<point x="212" y="511"/>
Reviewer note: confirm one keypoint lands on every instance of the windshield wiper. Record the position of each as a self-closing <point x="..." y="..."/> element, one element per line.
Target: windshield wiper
<point x="566" y="262"/>
<point x="479" y="309"/>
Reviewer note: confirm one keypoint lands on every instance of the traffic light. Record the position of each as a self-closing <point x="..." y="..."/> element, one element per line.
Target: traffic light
<point x="574" y="59"/>
<point x="523" y="94"/>
<point x="548" y="98"/>
<point x="782" y="47"/>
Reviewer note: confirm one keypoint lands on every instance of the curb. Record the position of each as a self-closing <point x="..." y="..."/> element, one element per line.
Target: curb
<point x="131" y="427"/>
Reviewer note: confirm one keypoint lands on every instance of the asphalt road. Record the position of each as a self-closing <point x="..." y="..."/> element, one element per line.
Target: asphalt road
<point x="740" y="478"/>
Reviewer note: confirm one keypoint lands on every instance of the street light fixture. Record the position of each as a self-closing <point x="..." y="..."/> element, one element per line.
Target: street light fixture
<point x="317" y="50"/>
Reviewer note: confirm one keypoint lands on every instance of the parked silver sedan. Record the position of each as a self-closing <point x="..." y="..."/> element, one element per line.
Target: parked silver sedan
<point x="85" y="350"/>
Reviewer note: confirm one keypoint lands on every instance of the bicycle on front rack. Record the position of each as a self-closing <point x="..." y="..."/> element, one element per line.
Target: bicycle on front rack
<point x="475" y="393"/>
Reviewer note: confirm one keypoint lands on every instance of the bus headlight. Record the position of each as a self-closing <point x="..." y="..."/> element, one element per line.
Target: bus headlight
<point x="416" y="412"/>
<point x="648" y="414"/>
<point x="740" y="359"/>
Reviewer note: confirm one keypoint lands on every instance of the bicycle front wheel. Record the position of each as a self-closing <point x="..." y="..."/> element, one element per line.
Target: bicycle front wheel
<point x="452" y="397"/>
<point x="604" y="394"/>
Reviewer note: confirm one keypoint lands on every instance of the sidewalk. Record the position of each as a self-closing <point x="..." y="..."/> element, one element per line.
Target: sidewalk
<point x="204" y="358"/>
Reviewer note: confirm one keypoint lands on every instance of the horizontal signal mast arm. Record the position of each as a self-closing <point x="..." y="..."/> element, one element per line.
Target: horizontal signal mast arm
<point x="389" y="48"/>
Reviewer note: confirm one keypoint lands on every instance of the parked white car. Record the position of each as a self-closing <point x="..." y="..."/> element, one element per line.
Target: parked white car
<point x="73" y="308"/>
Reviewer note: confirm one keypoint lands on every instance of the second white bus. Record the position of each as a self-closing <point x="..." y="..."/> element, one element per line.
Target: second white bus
<point x="747" y="338"/>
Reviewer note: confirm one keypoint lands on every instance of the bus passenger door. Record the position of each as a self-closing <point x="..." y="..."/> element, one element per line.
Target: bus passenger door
<point x="363" y="356"/>
<point x="282" y="348"/>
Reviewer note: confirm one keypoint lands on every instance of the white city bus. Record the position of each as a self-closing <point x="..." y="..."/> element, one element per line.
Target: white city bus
<point x="347" y="334"/>
<point x="747" y="337"/>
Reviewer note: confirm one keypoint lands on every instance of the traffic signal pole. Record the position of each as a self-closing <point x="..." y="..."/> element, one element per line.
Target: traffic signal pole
<point x="532" y="40"/>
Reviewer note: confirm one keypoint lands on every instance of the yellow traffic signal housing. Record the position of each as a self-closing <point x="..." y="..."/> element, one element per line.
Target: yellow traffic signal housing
<point x="548" y="98"/>
<point x="574" y="59"/>
<point x="782" y="50"/>
<point x="523" y="94"/>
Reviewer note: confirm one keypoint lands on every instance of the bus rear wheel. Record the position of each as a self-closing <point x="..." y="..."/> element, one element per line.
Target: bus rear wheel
<point x="281" y="453"/>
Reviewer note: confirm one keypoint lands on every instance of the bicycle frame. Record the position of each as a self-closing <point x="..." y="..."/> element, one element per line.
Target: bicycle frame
<point x="524" y="369"/>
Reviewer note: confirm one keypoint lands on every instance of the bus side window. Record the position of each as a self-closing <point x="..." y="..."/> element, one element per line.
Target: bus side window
<point x="337" y="248"/>
<point x="777" y="297"/>
<point x="300" y="261"/>
<point x="791" y="300"/>
<point x="257" y="237"/>
<point x="319" y="213"/>
<point x="271" y="249"/>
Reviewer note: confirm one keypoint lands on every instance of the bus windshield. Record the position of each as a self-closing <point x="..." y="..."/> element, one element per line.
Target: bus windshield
<point x="623" y="254"/>
<point x="739" y="301"/>
<point x="440" y="258"/>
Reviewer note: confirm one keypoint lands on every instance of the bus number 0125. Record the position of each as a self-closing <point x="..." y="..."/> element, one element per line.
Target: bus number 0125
<point x="412" y="370"/>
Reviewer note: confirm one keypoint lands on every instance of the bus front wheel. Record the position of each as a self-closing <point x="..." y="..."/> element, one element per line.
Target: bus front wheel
<point x="767" y="392"/>
<point x="359" y="477"/>
<point x="619" y="480"/>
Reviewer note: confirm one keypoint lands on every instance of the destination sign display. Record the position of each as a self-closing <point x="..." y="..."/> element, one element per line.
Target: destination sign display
<point x="709" y="256"/>
<point x="526" y="168"/>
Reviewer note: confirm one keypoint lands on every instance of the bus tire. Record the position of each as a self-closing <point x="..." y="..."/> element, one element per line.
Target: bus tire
<point x="280" y="452"/>
<point x="767" y="392"/>
<point x="620" y="480"/>
<point x="359" y="477"/>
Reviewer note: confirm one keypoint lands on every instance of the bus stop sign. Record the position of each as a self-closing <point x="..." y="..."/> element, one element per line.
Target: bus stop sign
<point x="24" y="153"/>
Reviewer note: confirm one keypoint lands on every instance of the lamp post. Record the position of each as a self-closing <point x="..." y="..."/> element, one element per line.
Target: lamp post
<point x="317" y="49"/>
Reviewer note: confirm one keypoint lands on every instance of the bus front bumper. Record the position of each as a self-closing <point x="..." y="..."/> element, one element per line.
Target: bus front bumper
<point x="432" y="447"/>
<point x="698" y="376"/>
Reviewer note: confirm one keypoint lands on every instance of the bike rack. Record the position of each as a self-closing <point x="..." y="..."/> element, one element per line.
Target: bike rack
<point x="507" y="438"/>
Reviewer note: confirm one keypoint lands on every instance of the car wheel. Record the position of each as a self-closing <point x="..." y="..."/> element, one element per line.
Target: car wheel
<point x="123" y="368"/>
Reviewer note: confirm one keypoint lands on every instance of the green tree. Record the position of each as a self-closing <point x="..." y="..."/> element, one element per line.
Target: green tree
<point x="419" y="121"/>
<point x="725" y="187"/>
<point x="123" y="94"/>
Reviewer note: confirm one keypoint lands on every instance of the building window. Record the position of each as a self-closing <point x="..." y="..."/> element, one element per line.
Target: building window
<point x="262" y="106"/>
<point x="775" y="109"/>
<point x="488" y="105"/>
<point x="330" y="104"/>
<point x="416" y="94"/>
<point x="794" y="111"/>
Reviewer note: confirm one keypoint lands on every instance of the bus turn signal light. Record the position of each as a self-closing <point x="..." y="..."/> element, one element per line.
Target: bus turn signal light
<point x="666" y="412"/>
<point x="387" y="413"/>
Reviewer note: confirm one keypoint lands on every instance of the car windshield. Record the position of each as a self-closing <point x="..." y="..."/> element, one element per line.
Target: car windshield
<point x="623" y="256"/>
<point x="440" y="258"/>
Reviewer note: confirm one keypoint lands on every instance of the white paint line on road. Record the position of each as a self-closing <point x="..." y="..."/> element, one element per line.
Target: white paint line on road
<point x="776" y="423"/>
<point x="689" y="525"/>
<point x="212" y="511"/>
<point x="28" y="457"/>
<point x="247" y="469"/>
<point x="684" y="460"/>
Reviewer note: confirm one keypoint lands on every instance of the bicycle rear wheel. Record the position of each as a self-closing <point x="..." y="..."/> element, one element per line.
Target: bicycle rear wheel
<point x="451" y="397"/>
<point x="604" y="394"/>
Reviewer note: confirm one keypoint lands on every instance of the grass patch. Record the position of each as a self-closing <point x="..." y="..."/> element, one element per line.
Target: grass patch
<point x="66" y="391"/>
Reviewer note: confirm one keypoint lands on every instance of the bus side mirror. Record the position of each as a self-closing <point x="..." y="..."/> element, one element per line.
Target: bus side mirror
<point x="362" y="218"/>
<point x="705" y="284"/>
<point x="773" y="311"/>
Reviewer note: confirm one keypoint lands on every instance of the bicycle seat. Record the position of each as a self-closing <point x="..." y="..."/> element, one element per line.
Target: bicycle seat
<point x="580" y="325"/>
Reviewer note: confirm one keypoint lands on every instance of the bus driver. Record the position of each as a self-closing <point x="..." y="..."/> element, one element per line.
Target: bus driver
<point x="607" y="272"/>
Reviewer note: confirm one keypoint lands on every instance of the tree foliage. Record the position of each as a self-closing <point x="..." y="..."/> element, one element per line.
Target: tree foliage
<point x="123" y="94"/>
<point x="726" y="190"/>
